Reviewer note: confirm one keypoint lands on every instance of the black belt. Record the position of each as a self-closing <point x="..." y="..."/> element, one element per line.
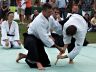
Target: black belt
<point x="10" y="35"/>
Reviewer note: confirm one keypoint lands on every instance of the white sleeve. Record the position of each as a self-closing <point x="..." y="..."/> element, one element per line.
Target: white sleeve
<point x="55" y="25"/>
<point x="44" y="36"/>
<point x="3" y="31"/>
<point x="78" y="45"/>
<point x="16" y="37"/>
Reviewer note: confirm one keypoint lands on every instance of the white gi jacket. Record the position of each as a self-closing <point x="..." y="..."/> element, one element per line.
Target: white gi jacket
<point x="40" y="29"/>
<point x="82" y="28"/>
<point x="55" y="25"/>
<point x="14" y="30"/>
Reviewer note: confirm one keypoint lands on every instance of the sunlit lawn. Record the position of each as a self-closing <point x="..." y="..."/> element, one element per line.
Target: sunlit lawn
<point x="91" y="37"/>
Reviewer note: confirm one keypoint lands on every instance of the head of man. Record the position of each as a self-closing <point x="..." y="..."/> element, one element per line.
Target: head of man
<point x="36" y="12"/>
<point x="47" y="10"/>
<point x="71" y="30"/>
<point x="55" y="12"/>
<point x="75" y="8"/>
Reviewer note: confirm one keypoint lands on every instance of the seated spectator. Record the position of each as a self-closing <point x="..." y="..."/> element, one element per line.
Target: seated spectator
<point x="10" y="33"/>
<point x="35" y="14"/>
<point x="4" y="8"/>
<point x="93" y="22"/>
<point x="93" y="9"/>
<point x="36" y="6"/>
<point x="74" y="9"/>
<point x="53" y="3"/>
<point x="86" y="7"/>
<point x="87" y="18"/>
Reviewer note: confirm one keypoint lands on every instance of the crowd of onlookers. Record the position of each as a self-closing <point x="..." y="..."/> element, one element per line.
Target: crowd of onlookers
<point x="29" y="9"/>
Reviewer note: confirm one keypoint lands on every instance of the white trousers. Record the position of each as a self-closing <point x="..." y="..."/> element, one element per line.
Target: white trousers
<point x="14" y="43"/>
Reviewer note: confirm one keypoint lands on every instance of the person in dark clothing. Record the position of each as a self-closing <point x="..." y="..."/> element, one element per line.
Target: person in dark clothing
<point x="36" y="38"/>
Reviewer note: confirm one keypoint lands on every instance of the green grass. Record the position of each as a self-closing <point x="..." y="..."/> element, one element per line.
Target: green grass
<point x="23" y="29"/>
<point x="91" y="37"/>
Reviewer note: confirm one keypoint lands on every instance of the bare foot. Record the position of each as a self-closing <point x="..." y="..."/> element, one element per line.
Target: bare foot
<point x="40" y="66"/>
<point x="20" y="56"/>
<point x="71" y="62"/>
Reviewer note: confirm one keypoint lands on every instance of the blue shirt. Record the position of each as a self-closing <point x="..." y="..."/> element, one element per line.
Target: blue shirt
<point x="61" y="3"/>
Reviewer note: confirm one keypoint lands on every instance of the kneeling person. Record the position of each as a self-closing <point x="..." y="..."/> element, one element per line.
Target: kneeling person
<point x="10" y="32"/>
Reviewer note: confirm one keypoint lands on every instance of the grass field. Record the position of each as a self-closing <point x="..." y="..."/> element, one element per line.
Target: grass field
<point x="91" y="37"/>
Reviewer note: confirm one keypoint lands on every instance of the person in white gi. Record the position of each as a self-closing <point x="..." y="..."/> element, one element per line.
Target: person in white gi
<point x="56" y="30"/>
<point x="37" y="37"/>
<point x="75" y="27"/>
<point x="10" y="32"/>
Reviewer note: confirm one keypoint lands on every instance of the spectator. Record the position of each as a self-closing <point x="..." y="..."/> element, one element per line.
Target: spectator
<point x="74" y="10"/>
<point x="93" y="22"/>
<point x="28" y="11"/>
<point x="21" y="5"/>
<point x="35" y="14"/>
<point x="93" y="9"/>
<point x="62" y="5"/>
<point x="87" y="18"/>
<point x="36" y="6"/>
<point x="4" y="8"/>
<point x="53" y="3"/>
<point x="87" y="6"/>
<point x="10" y="33"/>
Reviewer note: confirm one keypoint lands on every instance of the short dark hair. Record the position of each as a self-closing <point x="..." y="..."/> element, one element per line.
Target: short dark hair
<point x="9" y="13"/>
<point x="56" y="8"/>
<point x="46" y="6"/>
<point x="74" y="5"/>
<point x="71" y="30"/>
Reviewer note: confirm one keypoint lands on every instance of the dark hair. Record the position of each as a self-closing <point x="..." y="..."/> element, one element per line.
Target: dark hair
<point x="56" y="8"/>
<point x="46" y="6"/>
<point x="71" y="30"/>
<point x="74" y="5"/>
<point x="9" y="13"/>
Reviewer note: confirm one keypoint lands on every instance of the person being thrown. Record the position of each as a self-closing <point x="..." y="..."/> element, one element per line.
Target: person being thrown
<point x="75" y="27"/>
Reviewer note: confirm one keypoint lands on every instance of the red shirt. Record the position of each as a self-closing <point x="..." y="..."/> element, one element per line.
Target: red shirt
<point x="28" y="3"/>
